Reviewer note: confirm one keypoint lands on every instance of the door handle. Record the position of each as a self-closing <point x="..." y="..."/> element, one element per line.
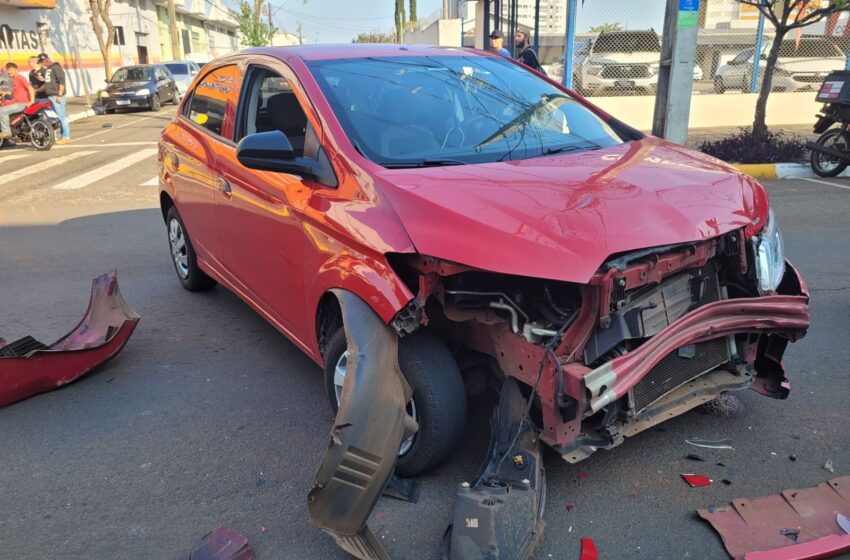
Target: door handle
<point x="222" y="185"/>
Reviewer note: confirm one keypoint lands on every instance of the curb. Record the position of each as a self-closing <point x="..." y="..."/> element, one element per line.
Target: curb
<point x="81" y="115"/>
<point x="780" y="170"/>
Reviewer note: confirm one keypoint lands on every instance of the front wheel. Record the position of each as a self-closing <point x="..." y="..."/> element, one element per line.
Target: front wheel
<point x="439" y="398"/>
<point x="42" y="135"/>
<point x="719" y="86"/>
<point x="155" y="104"/>
<point x="825" y="165"/>
<point x="183" y="255"/>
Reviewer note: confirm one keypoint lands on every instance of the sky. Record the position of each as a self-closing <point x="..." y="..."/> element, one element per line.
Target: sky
<point x="339" y="21"/>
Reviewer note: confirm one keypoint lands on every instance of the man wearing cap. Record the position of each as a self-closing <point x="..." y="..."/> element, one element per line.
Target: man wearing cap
<point x="54" y="87"/>
<point x="497" y="40"/>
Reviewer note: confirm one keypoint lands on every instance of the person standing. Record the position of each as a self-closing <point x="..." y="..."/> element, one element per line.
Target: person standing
<point x="526" y="54"/>
<point x="54" y="87"/>
<point x="36" y="78"/>
<point x="497" y="43"/>
<point x="22" y="97"/>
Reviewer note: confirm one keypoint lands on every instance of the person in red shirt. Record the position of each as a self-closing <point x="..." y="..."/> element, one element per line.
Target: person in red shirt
<point x="22" y="96"/>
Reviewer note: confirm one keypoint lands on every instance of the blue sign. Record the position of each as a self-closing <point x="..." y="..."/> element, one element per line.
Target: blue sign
<point x="688" y="5"/>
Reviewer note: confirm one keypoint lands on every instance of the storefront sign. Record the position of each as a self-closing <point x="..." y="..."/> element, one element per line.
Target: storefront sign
<point x="688" y="14"/>
<point x="18" y="39"/>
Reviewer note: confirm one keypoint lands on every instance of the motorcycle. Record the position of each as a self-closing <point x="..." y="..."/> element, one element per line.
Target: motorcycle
<point x="36" y="125"/>
<point x="830" y="153"/>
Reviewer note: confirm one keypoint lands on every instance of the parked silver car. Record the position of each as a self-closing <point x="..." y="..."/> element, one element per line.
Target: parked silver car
<point x="184" y="72"/>
<point x="800" y="67"/>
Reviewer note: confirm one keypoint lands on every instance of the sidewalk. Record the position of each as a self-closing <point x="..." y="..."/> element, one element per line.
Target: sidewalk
<point x="77" y="109"/>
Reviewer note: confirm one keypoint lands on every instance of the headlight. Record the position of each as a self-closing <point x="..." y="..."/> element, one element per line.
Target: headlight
<point x="144" y="91"/>
<point x="770" y="256"/>
<point x="104" y="94"/>
<point x="594" y="70"/>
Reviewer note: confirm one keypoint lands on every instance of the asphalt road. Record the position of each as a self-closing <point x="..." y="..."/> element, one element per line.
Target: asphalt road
<point x="210" y="416"/>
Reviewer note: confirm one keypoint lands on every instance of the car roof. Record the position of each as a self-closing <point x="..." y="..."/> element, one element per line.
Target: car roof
<point x="363" y="50"/>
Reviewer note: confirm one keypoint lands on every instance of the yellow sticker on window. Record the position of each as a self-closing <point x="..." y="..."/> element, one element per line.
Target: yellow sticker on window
<point x="201" y="118"/>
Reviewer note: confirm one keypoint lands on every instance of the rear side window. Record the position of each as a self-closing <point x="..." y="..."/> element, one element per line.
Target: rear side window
<point x="214" y="99"/>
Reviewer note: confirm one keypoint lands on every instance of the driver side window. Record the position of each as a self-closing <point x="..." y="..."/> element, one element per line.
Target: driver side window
<point x="271" y="104"/>
<point x="743" y="57"/>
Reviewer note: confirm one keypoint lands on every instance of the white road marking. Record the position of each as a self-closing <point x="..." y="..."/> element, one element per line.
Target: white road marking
<point x="152" y="183"/>
<point x="105" y="144"/>
<point x="827" y="183"/>
<point x="104" y="171"/>
<point x="10" y="157"/>
<point x="9" y="177"/>
<point x="104" y="131"/>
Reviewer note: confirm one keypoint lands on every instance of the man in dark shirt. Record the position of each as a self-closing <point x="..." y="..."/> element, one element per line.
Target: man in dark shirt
<point x="36" y="78"/>
<point x="54" y="87"/>
<point x="526" y="54"/>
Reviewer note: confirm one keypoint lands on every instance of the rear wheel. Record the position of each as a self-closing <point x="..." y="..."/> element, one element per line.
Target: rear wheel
<point x="42" y="135"/>
<point x="719" y="86"/>
<point x="439" y="398"/>
<point x="183" y="255"/>
<point x="825" y="165"/>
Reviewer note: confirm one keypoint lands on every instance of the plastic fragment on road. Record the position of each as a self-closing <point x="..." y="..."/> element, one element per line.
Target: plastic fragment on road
<point x="697" y="480"/>
<point x="763" y="528"/>
<point x="711" y="444"/>
<point x="29" y="367"/>
<point x="223" y="543"/>
<point x="828" y="465"/>
<point x="694" y="457"/>
<point x="588" y="549"/>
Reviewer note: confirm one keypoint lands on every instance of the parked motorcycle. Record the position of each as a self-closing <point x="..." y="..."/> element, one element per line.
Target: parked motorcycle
<point x="830" y="154"/>
<point x="36" y="125"/>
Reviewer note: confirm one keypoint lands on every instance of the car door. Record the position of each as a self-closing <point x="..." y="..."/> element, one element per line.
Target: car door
<point x="741" y="66"/>
<point x="190" y="144"/>
<point x="260" y="220"/>
<point x="164" y="83"/>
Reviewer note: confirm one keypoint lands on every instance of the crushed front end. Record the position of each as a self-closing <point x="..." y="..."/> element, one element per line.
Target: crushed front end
<point x="653" y="334"/>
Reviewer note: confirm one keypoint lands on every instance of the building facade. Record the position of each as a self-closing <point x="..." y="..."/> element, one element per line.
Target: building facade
<point x="63" y="29"/>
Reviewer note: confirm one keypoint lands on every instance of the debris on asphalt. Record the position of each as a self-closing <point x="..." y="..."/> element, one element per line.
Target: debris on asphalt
<point x="792" y="457"/>
<point x="727" y="482"/>
<point x="697" y="480"/>
<point x="828" y="465"/>
<point x="726" y="405"/>
<point x="711" y="444"/>
<point x="223" y="543"/>
<point x="582" y="475"/>
<point x="695" y="457"/>
<point x="571" y="507"/>
<point x="588" y="549"/>
<point x="633" y="496"/>
<point x="760" y="529"/>
<point x="29" y="367"/>
<point x="106" y="125"/>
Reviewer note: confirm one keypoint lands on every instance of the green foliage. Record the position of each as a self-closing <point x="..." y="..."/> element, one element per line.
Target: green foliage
<point x="254" y="33"/>
<point x="607" y="27"/>
<point x="413" y="10"/>
<point x="375" y="36"/>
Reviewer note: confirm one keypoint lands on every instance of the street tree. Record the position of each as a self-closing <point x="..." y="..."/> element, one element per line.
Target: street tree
<point x="375" y="36"/>
<point x="607" y="27"/>
<point x="400" y="21"/>
<point x="255" y="33"/>
<point x="786" y="16"/>
<point x="104" y="31"/>
<point x="412" y="10"/>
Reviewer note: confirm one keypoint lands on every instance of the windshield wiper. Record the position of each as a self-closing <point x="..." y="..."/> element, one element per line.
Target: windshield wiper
<point x="567" y="148"/>
<point x="421" y="163"/>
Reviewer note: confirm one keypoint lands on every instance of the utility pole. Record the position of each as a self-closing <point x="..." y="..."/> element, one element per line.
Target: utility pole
<point x="172" y="30"/>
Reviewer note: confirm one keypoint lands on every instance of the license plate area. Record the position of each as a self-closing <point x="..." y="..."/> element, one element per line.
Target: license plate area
<point x="49" y="113"/>
<point x="625" y="83"/>
<point x="122" y="101"/>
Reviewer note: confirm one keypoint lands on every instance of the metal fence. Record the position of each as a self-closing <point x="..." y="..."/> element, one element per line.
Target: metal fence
<point x="613" y="46"/>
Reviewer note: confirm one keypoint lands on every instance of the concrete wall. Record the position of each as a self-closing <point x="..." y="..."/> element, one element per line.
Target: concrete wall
<point x="717" y="110"/>
<point x="443" y="32"/>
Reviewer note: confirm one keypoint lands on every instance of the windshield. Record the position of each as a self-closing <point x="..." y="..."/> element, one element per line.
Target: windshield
<point x="809" y="48"/>
<point x="444" y="110"/>
<point x="132" y="74"/>
<point x="626" y="42"/>
<point x="178" y="68"/>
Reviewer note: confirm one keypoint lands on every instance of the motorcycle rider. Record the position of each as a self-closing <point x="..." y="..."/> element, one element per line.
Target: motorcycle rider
<point x="22" y="97"/>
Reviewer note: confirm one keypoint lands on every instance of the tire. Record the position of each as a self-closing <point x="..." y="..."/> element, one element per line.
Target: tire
<point x="821" y="164"/>
<point x="109" y="111"/>
<point x="183" y="255"/>
<point x="719" y="86"/>
<point x="42" y="135"/>
<point x="439" y="398"/>
<point x="155" y="104"/>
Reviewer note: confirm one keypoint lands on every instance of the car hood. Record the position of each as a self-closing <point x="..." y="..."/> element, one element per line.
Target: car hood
<point x="561" y="217"/>
<point x="129" y="85"/>
<point x="809" y="65"/>
<point x="638" y="57"/>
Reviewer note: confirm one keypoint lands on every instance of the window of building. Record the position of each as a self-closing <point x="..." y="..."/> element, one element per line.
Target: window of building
<point x="119" y="36"/>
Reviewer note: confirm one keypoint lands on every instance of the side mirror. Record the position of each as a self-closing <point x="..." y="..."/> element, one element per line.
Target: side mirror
<point x="270" y="151"/>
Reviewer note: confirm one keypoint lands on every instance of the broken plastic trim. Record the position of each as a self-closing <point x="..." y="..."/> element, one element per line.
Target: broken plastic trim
<point x="370" y="424"/>
<point x="29" y="367"/>
<point x="503" y="510"/>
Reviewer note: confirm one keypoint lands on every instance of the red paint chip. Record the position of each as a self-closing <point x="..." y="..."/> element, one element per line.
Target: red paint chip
<point x="582" y="475"/>
<point x="571" y="507"/>
<point x="588" y="549"/>
<point x="697" y="480"/>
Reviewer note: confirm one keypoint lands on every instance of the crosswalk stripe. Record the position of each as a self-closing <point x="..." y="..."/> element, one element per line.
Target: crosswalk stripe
<point x="104" y="171"/>
<point x="105" y="144"/>
<point x="10" y="157"/>
<point x="9" y="177"/>
<point x="151" y="183"/>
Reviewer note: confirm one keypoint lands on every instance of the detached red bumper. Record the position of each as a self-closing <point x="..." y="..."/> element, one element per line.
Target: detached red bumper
<point x="28" y="367"/>
<point x="778" y="318"/>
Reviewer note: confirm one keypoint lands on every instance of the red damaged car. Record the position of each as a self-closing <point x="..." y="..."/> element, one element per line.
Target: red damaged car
<point x="501" y="225"/>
